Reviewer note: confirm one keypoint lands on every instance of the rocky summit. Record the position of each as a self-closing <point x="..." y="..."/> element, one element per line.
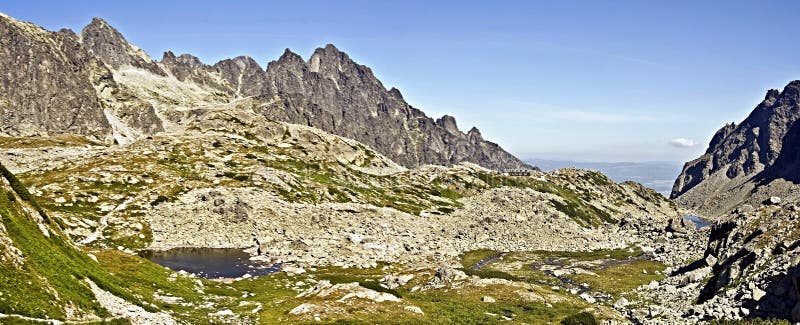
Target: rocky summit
<point x="125" y="181"/>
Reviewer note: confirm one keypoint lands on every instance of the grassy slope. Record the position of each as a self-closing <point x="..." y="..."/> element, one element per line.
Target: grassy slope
<point x="51" y="276"/>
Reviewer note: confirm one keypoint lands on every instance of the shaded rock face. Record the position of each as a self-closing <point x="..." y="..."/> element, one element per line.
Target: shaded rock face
<point x="756" y="264"/>
<point x="45" y="85"/>
<point x="335" y="94"/>
<point x="53" y="84"/>
<point x="741" y="158"/>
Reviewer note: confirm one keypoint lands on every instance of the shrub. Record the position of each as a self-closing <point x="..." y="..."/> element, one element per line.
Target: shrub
<point x="582" y="318"/>
<point x="159" y="199"/>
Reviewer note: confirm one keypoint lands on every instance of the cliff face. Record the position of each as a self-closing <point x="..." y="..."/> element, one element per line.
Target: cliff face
<point x="749" y="162"/>
<point x="58" y="82"/>
<point x="45" y="84"/>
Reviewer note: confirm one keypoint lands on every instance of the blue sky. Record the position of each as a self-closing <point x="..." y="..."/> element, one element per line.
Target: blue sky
<point x="586" y="80"/>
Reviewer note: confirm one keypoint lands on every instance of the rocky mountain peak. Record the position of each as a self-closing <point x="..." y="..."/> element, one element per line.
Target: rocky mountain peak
<point x="744" y="158"/>
<point x="183" y="66"/>
<point x="185" y="60"/>
<point x="244" y="74"/>
<point x="331" y="53"/>
<point x="332" y="92"/>
<point x="396" y="93"/>
<point x="721" y="134"/>
<point x="336" y="65"/>
<point x="290" y="57"/>
<point x="45" y="87"/>
<point x="772" y="94"/>
<point x="108" y="45"/>
<point x="448" y="123"/>
<point x="474" y="135"/>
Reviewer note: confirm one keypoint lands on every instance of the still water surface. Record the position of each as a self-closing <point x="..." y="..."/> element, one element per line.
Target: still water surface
<point x="210" y="263"/>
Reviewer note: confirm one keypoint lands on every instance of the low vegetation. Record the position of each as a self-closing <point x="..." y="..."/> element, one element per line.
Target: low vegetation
<point x="50" y="279"/>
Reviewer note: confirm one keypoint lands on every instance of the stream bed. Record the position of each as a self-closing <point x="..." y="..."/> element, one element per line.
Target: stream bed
<point x="698" y="222"/>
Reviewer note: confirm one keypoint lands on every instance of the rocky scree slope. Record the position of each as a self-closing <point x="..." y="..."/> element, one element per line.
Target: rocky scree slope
<point x="749" y="162"/>
<point x="91" y="76"/>
<point x="749" y="269"/>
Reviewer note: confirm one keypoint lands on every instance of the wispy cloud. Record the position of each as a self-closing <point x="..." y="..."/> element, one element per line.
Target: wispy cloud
<point x="600" y="117"/>
<point x="683" y="143"/>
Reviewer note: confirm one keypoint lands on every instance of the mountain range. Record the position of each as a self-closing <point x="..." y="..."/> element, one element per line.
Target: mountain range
<point x="81" y="84"/>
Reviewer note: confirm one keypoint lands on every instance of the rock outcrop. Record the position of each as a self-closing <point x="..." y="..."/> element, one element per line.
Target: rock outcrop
<point x="749" y="269"/>
<point x="749" y="162"/>
<point x="108" y="44"/>
<point x="244" y="75"/>
<point x="750" y="265"/>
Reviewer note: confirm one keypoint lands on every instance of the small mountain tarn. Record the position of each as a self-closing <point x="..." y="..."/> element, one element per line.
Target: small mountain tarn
<point x="211" y="263"/>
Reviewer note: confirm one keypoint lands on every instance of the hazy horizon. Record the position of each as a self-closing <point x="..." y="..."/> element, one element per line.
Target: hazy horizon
<point x="632" y="82"/>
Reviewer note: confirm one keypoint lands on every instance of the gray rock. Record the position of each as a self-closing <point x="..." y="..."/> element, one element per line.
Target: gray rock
<point x="758" y="294"/>
<point x="45" y="87"/>
<point x="187" y="67"/>
<point x="244" y="75"/>
<point x="711" y="260"/>
<point x="621" y="303"/>
<point x="108" y="44"/>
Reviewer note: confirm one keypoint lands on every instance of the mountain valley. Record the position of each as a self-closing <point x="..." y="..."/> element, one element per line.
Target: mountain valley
<point x="358" y="207"/>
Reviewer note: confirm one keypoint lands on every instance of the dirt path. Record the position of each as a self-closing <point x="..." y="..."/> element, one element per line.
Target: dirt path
<point x="104" y="219"/>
